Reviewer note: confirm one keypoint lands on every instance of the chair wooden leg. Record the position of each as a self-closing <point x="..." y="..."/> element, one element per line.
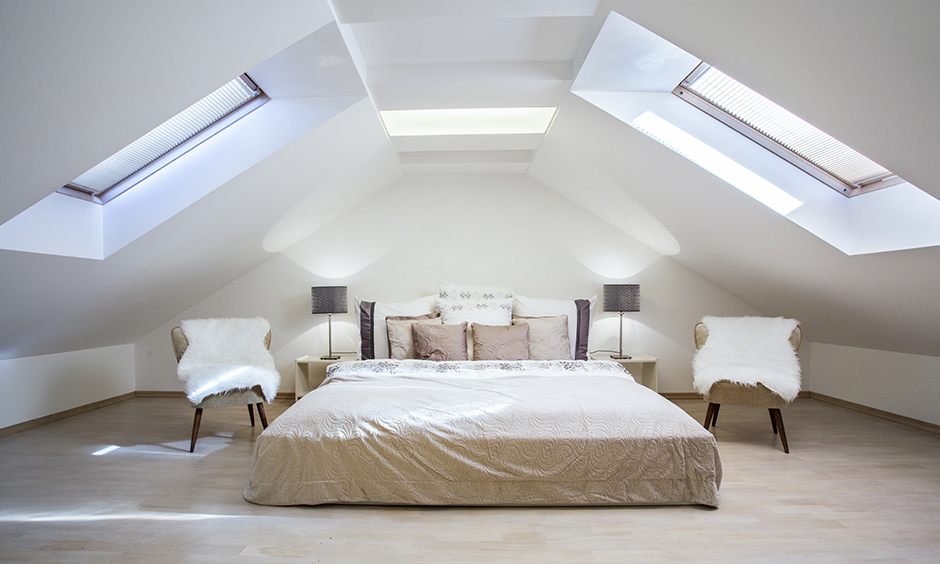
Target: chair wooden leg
<point x="710" y="414"/>
<point x="783" y="435"/>
<point x="715" y="414"/>
<point x="773" y="420"/>
<point x="251" y="415"/>
<point x="263" y="415"/>
<point x="196" y="421"/>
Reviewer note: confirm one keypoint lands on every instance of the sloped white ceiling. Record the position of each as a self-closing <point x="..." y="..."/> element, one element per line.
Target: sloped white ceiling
<point x="92" y="75"/>
<point x="867" y="89"/>
<point x="52" y="304"/>
<point x="83" y="79"/>
<point x="861" y="71"/>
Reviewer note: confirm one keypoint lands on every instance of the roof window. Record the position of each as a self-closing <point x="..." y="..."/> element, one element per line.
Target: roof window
<point x="803" y="145"/>
<point x="167" y="142"/>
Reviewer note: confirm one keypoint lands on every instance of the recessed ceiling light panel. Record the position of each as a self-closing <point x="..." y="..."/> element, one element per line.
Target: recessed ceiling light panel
<point x="468" y="121"/>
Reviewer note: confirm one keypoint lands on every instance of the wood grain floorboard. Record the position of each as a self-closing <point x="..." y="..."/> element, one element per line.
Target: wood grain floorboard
<point x="854" y="488"/>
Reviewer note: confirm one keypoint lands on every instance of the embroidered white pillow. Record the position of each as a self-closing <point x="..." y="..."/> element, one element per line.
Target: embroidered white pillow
<point x="489" y="312"/>
<point x="473" y="293"/>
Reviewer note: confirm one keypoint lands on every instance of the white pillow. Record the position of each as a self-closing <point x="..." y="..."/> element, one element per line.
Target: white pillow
<point x="489" y="312"/>
<point x="579" y="326"/>
<point x="373" y="334"/>
<point x="473" y="293"/>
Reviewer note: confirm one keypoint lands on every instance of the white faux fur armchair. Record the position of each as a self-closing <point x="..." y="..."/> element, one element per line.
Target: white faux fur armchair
<point x="748" y="361"/>
<point x="228" y="365"/>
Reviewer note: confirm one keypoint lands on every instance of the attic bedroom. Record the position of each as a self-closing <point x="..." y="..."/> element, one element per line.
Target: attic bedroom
<point x="316" y="188"/>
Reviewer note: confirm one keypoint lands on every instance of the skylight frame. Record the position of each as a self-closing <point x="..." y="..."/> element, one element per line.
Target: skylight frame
<point x="792" y="154"/>
<point x="148" y="165"/>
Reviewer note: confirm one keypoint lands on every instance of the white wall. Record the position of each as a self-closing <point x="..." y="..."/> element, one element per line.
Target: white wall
<point x="504" y="230"/>
<point x="38" y="386"/>
<point x="469" y="229"/>
<point x="904" y="384"/>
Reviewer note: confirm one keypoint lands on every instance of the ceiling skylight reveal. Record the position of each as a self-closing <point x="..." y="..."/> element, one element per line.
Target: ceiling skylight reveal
<point x="803" y="145"/>
<point x="716" y="163"/>
<point x="167" y="141"/>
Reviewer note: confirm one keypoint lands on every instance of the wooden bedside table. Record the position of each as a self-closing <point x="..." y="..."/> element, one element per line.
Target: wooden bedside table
<point x="309" y="372"/>
<point x="641" y="366"/>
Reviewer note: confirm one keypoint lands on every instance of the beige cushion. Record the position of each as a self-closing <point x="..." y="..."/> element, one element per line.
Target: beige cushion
<point x="500" y="342"/>
<point x="440" y="342"/>
<point x="548" y="337"/>
<point x="731" y="393"/>
<point x="233" y="397"/>
<point x="401" y="343"/>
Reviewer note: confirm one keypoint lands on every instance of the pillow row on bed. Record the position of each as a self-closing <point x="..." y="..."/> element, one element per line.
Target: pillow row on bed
<point x="556" y="329"/>
<point x="425" y="337"/>
<point x="490" y="342"/>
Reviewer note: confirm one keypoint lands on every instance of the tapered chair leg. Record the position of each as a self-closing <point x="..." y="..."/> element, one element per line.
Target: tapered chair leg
<point x="779" y="424"/>
<point x="715" y="414"/>
<point x="251" y="415"/>
<point x="710" y="414"/>
<point x="196" y="421"/>
<point x="773" y="420"/>
<point x="263" y="415"/>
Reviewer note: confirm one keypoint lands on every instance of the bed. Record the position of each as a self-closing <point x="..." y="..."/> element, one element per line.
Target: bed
<point x="484" y="432"/>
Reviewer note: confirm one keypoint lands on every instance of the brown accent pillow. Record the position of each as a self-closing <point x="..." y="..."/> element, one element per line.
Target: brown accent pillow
<point x="548" y="337"/>
<point x="401" y="344"/>
<point x="440" y="342"/>
<point x="500" y="342"/>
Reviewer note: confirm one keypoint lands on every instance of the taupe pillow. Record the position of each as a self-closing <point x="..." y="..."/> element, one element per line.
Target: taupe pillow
<point x="440" y="342"/>
<point x="500" y="342"/>
<point x="548" y="337"/>
<point x="401" y="344"/>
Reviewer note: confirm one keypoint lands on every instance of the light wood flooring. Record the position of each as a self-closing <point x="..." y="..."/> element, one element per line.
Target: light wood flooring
<point x="854" y="488"/>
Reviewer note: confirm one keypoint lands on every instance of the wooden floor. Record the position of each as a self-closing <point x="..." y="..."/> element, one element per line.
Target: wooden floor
<point x="853" y="489"/>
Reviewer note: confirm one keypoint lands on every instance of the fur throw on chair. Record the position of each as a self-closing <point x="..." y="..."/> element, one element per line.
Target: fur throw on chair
<point x="227" y="354"/>
<point x="749" y="350"/>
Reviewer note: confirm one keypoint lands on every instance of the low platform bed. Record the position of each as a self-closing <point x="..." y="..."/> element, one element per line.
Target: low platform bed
<point x="529" y="432"/>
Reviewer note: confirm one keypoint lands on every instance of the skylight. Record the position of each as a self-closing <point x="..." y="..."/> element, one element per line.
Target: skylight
<point x="617" y="78"/>
<point x="167" y="141"/>
<point x="834" y="163"/>
<point x="468" y="121"/>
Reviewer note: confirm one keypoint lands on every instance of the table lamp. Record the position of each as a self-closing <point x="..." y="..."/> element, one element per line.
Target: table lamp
<point x="329" y="300"/>
<point x="621" y="298"/>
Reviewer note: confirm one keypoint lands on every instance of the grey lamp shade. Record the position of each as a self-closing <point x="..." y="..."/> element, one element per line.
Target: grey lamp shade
<point x="621" y="297"/>
<point x="328" y="299"/>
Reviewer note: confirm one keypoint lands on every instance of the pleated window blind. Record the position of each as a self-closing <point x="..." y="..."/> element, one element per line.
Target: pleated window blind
<point x="167" y="136"/>
<point x="782" y="127"/>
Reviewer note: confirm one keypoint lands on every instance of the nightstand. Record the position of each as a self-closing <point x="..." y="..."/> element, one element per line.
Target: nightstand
<point x="309" y="372"/>
<point x="641" y="366"/>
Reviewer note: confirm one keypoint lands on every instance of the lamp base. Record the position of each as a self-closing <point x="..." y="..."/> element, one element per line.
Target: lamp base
<point x="620" y="356"/>
<point x="329" y="357"/>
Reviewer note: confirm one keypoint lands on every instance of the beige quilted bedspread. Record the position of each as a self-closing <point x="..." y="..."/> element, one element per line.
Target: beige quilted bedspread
<point x="484" y="433"/>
